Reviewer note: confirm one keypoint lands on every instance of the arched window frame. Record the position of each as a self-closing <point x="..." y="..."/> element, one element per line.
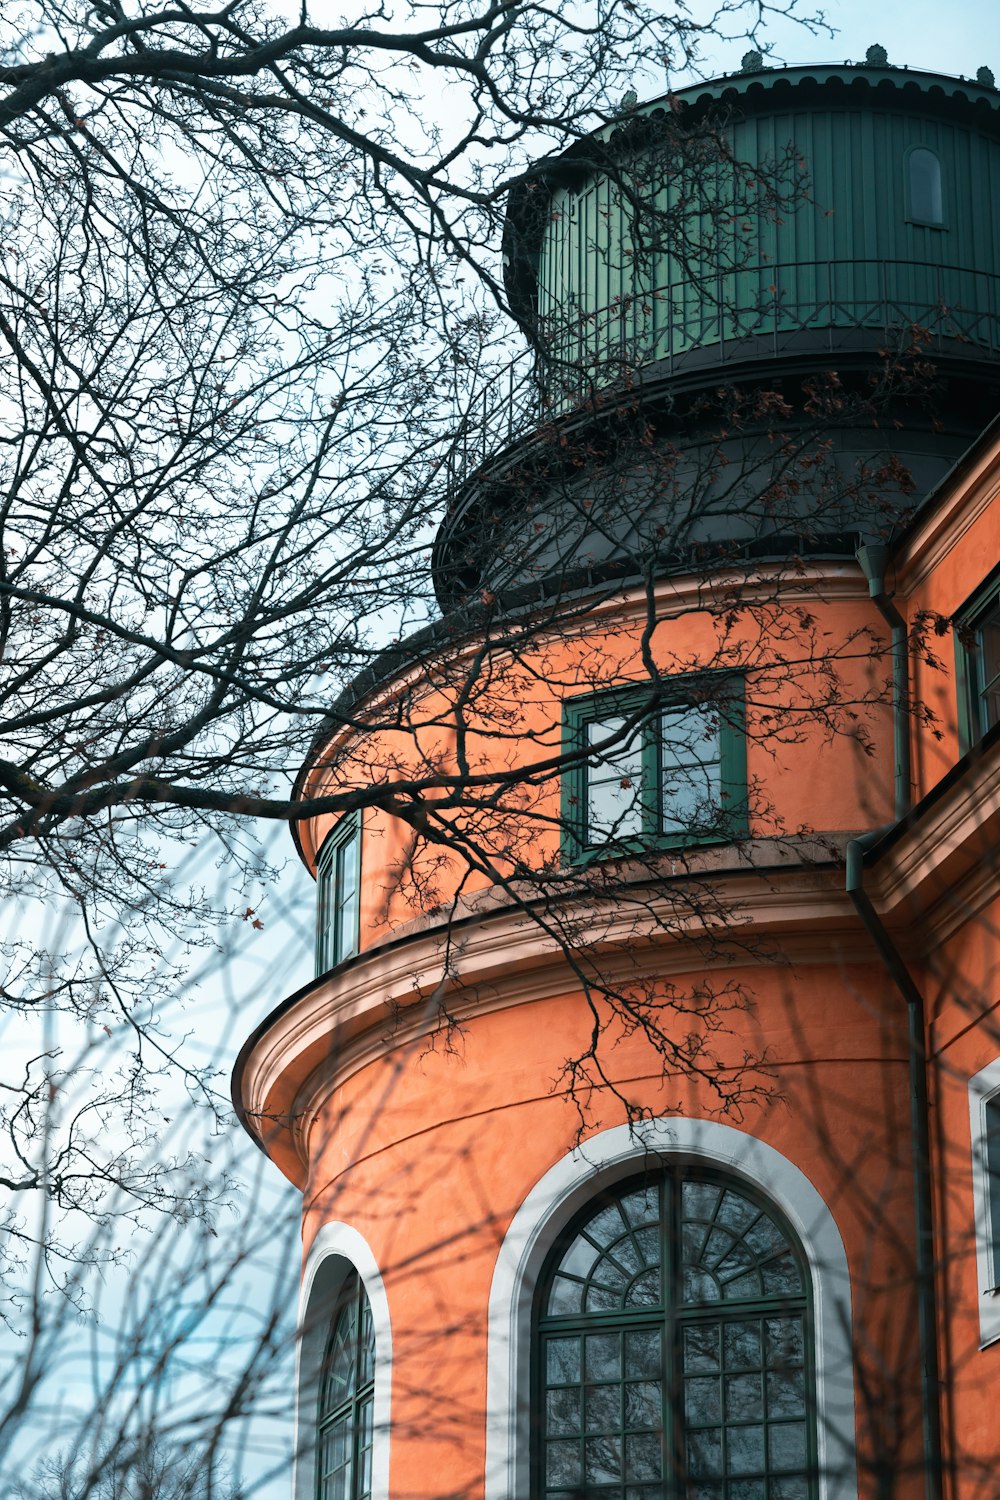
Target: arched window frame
<point x="912" y="216"/>
<point x="610" y="1157"/>
<point x="337" y="1252"/>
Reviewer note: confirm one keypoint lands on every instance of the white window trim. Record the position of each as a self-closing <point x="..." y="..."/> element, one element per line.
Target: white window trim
<point x="610" y="1156"/>
<point x="983" y="1087"/>
<point x="337" y="1250"/>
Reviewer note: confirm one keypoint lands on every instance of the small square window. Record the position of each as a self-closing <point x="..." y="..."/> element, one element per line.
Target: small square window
<point x="984" y="1117"/>
<point x="338" y="882"/>
<point x="665" y="773"/>
<point x="978" y="644"/>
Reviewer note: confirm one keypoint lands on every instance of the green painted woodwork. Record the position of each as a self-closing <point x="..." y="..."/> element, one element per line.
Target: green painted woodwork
<point x="338" y="892"/>
<point x="344" y="1414"/>
<point x="977" y="662"/>
<point x="674" y="774"/>
<point x="847" y="255"/>
<point x="674" y="1349"/>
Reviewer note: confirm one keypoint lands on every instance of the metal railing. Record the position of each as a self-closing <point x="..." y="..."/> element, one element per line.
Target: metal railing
<point x="757" y="312"/>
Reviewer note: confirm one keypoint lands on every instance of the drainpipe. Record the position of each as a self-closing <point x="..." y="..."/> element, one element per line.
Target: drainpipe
<point x="872" y="558"/>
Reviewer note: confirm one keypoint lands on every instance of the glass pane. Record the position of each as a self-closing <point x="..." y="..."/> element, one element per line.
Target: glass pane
<point x="704" y="1453"/>
<point x="607" y="1225"/>
<point x="795" y="1487"/>
<point x="602" y="1460"/>
<point x="786" y="1394"/>
<point x="643" y="1457"/>
<point x="699" y="1200"/>
<point x="741" y="1342"/>
<point x="781" y="1276"/>
<point x="348" y="896"/>
<point x="784" y="1342"/>
<point x="565" y="1298"/>
<point x="642" y="1207"/>
<point x="691" y="787"/>
<point x="744" y="1398"/>
<point x="925" y="187"/>
<point x="738" y="1213"/>
<point x="747" y="1489"/>
<point x="579" y="1257"/>
<point x="603" y="1356"/>
<point x="562" y="1413"/>
<point x="702" y="1401"/>
<point x="643" y="1403"/>
<point x="745" y="1450"/>
<point x="786" y="1445"/>
<point x="644" y="1353"/>
<point x="603" y="1404"/>
<point x="644" y="1291"/>
<point x="701" y="1347"/>
<point x="614" y="783"/>
<point x="562" y="1463"/>
<point x="562" y="1360"/>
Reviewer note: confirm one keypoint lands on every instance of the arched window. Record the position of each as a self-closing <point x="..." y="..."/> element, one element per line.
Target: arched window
<point x="926" y="202"/>
<point x="674" y="1349"/>
<point x="345" y="1426"/>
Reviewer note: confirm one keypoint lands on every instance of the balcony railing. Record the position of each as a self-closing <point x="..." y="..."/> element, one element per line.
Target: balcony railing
<point x="819" y="308"/>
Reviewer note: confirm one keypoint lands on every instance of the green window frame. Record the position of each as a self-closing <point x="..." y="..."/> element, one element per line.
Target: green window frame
<point x="673" y="1350"/>
<point x="991" y="1161"/>
<point x="668" y="768"/>
<point x="977" y="663"/>
<point x="338" y="891"/>
<point x="345" y="1415"/>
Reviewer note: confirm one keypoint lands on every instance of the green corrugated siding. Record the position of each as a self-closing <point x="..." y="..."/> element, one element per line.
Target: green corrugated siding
<point x="845" y="258"/>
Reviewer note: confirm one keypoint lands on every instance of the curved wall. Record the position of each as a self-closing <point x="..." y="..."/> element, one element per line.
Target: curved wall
<point x="646" y="263"/>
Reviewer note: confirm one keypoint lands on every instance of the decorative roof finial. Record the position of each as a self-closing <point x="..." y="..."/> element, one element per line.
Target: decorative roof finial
<point x="629" y="101"/>
<point x="876" y="56"/>
<point x="752" y="62"/>
<point x="986" y="78"/>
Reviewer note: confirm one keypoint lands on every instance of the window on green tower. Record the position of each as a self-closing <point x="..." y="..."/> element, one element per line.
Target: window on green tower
<point x="345" y="1416"/>
<point x="673" y="1352"/>
<point x="667" y="775"/>
<point x="338" y="882"/>
<point x="926" y="202"/>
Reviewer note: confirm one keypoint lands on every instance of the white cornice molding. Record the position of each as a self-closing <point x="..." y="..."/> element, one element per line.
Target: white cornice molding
<point x="945" y="868"/>
<point x="951" y="519"/>
<point x="389" y="998"/>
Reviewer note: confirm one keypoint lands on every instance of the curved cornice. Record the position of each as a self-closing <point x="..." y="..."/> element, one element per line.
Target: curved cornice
<point x="765" y="902"/>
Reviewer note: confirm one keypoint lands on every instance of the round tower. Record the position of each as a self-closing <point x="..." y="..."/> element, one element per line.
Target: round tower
<point x="767" y="261"/>
<point x="606" y="1102"/>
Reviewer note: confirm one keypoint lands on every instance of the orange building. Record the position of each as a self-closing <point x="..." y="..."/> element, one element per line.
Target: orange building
<point x="646" y="1104"/>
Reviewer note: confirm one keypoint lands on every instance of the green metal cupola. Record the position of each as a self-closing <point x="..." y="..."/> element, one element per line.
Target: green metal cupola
<point x="806" y="249"/>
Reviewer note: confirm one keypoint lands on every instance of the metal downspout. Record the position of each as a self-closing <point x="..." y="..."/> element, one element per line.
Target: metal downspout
<point x="872" y="559"/>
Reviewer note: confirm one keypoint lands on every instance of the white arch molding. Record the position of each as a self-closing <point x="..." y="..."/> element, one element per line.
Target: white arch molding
<point x="337" y="1250"/>
<point x="604" y="1159"/>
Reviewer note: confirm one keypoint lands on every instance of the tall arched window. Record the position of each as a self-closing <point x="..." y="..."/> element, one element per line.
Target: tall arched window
<point x="345" y="1426"/>
<point x="674" y="1349"/>
<point x="926" y="200"/>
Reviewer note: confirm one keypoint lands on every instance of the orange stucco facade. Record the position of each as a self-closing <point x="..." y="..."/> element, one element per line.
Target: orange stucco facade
<point x="418" y="1091"/>
<point x="518" y="1016"/>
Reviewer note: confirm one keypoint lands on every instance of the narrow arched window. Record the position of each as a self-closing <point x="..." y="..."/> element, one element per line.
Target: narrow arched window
<point x="344" y="1456"/>
<point x="674" y="1349"/>
<point x="926" y="202"/>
